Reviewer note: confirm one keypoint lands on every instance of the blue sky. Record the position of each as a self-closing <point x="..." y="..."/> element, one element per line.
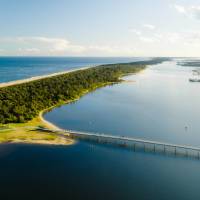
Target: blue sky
<point x="100" y="28"/>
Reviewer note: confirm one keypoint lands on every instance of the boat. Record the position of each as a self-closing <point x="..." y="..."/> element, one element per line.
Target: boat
<point x="194" y="80"/>
<point x="196" y="72"/>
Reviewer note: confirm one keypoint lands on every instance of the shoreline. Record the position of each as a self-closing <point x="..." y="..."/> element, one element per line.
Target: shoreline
<point x="35" y="78"/>
<point x="55" y="127"/>
<point x="26" y="133"/>
<point x="41" y="121"/>
<point x="20" y="133"/>
<point x="47" y="123"/>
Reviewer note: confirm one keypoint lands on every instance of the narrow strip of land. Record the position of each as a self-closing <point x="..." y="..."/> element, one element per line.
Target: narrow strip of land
<point x="35" y="78"/>
<point x="24" y="101"/>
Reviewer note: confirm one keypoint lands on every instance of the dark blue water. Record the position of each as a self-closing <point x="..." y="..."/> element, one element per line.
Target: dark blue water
<point x="15" y="68"/>
<point x="86" y="171"/>
<point x="157" y="106"/>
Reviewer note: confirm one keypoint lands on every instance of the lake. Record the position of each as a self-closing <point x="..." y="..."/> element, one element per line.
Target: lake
<point x="157" y="104"/>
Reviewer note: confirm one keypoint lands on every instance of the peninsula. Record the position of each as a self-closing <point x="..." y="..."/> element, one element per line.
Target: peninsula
<point x="22" y="103"/>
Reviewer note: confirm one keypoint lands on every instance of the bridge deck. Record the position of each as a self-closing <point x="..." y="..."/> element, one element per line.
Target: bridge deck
<point x="130" y="141"/>
<point x="124" y="138"/>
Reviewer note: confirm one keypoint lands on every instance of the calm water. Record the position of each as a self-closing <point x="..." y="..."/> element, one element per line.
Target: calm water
<point x="15" y="68"/>
<point x="86" y="171"/>
<point x="157" y="106"/>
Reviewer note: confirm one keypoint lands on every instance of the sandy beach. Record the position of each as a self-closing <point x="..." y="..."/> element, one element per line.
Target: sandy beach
<point x="25" y="133"/>
<point x="17" y="82"/>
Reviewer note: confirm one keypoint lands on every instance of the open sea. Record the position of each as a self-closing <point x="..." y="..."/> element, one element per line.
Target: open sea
<point x="16" y="68"/>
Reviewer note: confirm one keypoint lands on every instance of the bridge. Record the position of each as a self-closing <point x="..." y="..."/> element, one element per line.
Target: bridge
<point x="135" y="144"/>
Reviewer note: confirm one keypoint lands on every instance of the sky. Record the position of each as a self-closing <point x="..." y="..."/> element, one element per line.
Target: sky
<point x="100" y="28"/>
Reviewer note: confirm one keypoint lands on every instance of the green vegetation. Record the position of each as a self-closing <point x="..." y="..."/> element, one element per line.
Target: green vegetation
<point x="28" y="133"/>
<point x="4" y="128"/>
<point x="23" y="102"/>
<point x="21" y="106"/>
<point x="189" y="63"/>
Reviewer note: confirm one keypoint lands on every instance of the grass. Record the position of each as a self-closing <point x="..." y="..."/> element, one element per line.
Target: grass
<point x="26" y="133"/>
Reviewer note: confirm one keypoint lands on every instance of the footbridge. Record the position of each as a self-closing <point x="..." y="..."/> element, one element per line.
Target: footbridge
<point x="135" y="144"/>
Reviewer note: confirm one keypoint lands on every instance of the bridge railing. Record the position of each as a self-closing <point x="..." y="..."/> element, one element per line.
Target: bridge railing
<point x="140" y="144"/>
<point x="135" y="144"/>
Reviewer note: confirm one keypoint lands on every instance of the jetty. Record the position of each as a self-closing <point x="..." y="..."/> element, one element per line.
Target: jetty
<point x="136" y="144"/>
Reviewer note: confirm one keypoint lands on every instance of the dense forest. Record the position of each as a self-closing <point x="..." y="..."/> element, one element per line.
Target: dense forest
<point x="23" y="102"/>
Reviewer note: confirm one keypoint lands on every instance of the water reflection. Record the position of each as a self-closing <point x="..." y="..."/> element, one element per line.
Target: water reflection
<point x="160" y="105"/>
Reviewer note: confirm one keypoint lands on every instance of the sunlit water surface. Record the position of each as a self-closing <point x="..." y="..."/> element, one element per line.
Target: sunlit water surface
<point x="15" y="68"/>
<point x="158" y="105"/>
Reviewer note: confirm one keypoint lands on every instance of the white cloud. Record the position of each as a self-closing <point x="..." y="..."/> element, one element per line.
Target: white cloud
<point x="2" y="52"/>
<point x="60" y="46"/>
<point x="147" y="39"/>
<point x="149" y="26"/>
<point x="29" y="50"/>
<point x="192" y="38"/>
<point x="154" y="43"/>
<point x="173" y="37"/>
<point x="157" y="43"/>
<point x="137" y="32"/>
<point x="145" y="36"/>
<point x="113" y="49"/>
<point x="180" y="9"/>
<point x="41" y="46"/>
<point x="159" y="38"/>
<point x="190" y="11"/>
<point x="55" y="44"/>
<point x="186" y="37"/>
